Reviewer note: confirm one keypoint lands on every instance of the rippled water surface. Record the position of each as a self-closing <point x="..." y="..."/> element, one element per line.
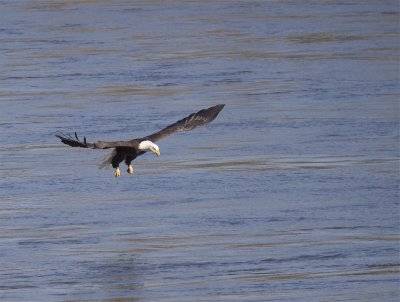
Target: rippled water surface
<point x="291" y="194"/>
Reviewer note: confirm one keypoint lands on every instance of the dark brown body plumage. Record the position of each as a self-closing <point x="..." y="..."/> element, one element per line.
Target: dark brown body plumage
<point x="127" y="154"/>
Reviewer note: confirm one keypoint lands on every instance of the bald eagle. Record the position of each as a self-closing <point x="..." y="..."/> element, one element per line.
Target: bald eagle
<point x="128" y="150"/>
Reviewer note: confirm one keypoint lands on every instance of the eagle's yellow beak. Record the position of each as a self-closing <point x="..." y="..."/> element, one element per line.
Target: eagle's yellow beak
<point x="155" y="151"/>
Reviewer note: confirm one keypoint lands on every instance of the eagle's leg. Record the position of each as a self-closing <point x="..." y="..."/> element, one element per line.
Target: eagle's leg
<point x="118" y="157"/>
<point x="128" y="161"/>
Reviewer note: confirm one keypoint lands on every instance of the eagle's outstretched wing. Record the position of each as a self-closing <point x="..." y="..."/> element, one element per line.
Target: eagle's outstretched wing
<point x="190" y="122"/>
<point x="76" y="142"/>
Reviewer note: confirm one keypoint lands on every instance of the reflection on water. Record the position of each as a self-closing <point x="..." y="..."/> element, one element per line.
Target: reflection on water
<point x="290" y="194"/>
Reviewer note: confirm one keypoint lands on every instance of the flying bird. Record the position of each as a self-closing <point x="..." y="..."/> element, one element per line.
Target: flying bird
<point x="128" y="150"/>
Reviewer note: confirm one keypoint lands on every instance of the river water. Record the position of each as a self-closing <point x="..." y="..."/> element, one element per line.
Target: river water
<point x="291" y="194"/>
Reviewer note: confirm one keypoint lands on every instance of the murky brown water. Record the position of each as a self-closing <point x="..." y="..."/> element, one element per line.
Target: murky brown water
<point x="291" y="194"/>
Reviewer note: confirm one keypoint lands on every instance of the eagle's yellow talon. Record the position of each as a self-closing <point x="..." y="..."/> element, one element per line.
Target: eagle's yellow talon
<point x="117" y="172"/>
<point x="130" y="169"/>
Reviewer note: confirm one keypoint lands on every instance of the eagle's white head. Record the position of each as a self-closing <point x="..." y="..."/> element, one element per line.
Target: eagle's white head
<point x="149" y="146"/>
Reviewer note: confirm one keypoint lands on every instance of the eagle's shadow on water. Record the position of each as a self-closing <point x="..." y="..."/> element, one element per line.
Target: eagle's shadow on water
<point x="119" y="276"/>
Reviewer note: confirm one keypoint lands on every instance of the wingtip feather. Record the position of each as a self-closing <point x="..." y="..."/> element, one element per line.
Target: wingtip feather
<point x="218" y="107"/>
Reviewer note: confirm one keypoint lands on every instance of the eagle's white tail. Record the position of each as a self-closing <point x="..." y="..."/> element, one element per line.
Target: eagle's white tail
<point x="106" y="163"/>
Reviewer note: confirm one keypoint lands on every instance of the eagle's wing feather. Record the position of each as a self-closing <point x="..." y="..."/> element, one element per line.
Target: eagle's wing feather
<point x="76" y="142"/>
<point x="188" y="123"/>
